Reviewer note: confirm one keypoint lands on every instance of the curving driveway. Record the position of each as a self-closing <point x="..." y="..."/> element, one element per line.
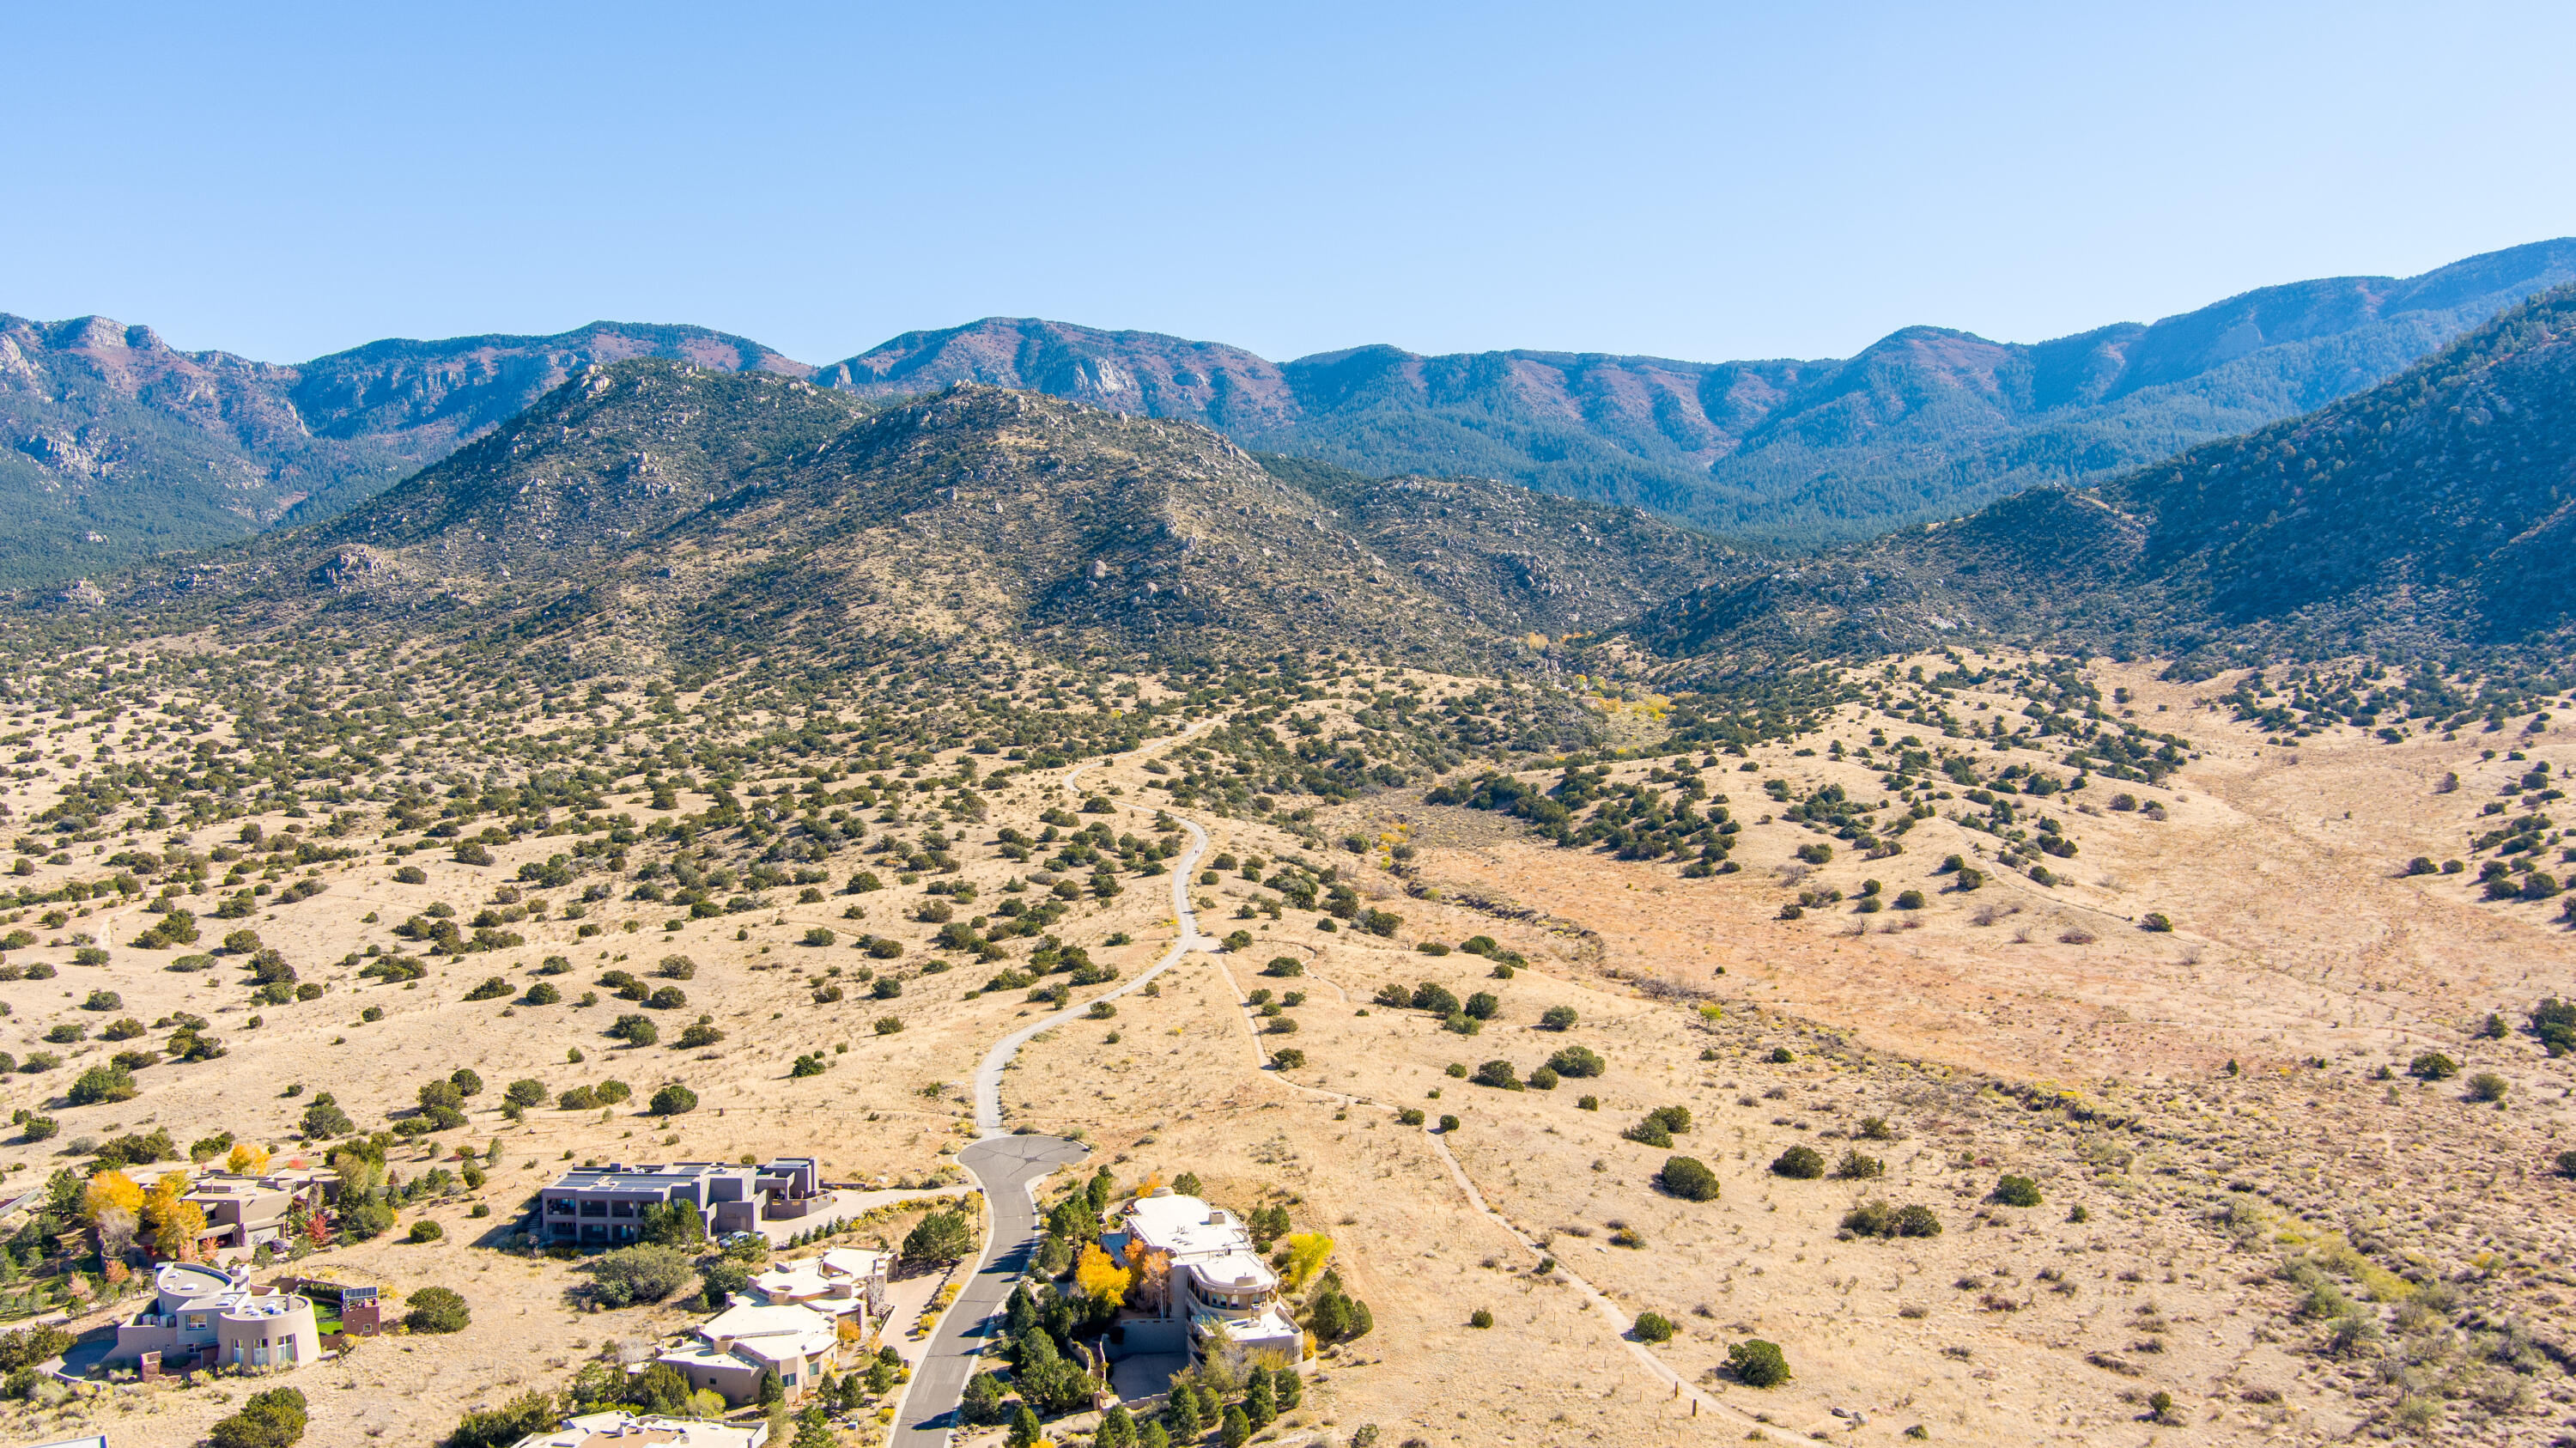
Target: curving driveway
<point x="1008" y="1169"/>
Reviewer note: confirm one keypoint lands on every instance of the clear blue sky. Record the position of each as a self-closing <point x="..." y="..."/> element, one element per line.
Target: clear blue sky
<point x="1700" y="181"/>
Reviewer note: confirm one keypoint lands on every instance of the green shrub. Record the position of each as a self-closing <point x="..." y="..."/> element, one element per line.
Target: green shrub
<point x="426" y="1230"/>
<point x="492" y="988"/>
<point x="2432" y="1066"/>
<point x="1856" y="1167"/>
<point x="672" y="1100"/>
<point x="941" y="1236"/>
<point x="2017" y="1191"/>
<point x="1498" y="1074"/>
<point x="1757" y="1364"/>
<point x="647" y="1272"/>
<point x="1480" y="1318"/>
<point x="1543" y="1079"/>
<point x="1803" y="1163"/>
<point x="1557" y="1018"/>
<point x="1577" y="1061"/>
<point x="1654" y="1327"/>
<point x="1688" y="1178"/>
<point x="437" y="1309"/>
<point x="2486" y="1086"/>
<point x="273" y="1419"/>
<point x="2156" y="924"/>
<point x="2553" y="1021"/>
<point x="102" y="1083"/>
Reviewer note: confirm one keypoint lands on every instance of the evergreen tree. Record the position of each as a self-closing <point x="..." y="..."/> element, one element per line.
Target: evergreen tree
<point x="1024" y="1428"/>
<point x="1117" y="1429"/>
<point x="982" y="1403"/>
<point x="1152" y="1436"/>
<point x="1259" y="1404"/>
<point x="814" y="1429"/>
<point x="1237" y="1429"/>
<point x="1287" y="1387"/>
<point x="1182" y="1413"/>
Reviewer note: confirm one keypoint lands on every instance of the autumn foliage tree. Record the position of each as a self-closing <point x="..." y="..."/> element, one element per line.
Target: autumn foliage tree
<point x="1099" y="1276"/>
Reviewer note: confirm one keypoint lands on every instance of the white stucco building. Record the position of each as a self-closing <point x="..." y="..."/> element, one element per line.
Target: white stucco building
<point x="1218" y="1283"/>
<point x="842" y="1282"/>
<point x="206" y="1317"/>
<point x="618" y="1429"/>
<point x="732" y="1349"/>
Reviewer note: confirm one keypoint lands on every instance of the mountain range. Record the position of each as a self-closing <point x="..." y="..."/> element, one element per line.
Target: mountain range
<point x="121" y="447"/>
<point x="660" y="514"/>
<point x="2432" y="512"/>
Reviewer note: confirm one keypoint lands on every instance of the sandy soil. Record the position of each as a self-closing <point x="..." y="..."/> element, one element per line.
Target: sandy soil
<point x="2098" y="1069"/>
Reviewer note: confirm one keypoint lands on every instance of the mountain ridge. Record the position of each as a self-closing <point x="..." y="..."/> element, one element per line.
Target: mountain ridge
<point x="651" y="511"/>
<point x="122" y="446"/>
<point x="2436" y="510"/>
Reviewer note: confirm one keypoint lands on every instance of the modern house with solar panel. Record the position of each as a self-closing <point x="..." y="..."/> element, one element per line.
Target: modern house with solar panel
<point x="205" y="1317"/>
<point x="604" y="1206"/>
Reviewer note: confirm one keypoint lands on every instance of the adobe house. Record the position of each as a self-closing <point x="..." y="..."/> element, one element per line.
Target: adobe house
<point x="604" y="1206"/>
<point x="244" y="1213"/>
<point x="203" y="1316"/>
<point x="842" y="1282"/>
<point x="1219" y="1297"/>
<point x="733" y="1348"/>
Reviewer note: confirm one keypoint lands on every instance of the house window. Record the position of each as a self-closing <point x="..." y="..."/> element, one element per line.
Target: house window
<point x="286" y="1354"/>
<point x="621" y="1209"/>
<point x="594" y="1209"/>
<point x="196" y="1322"/>
<point x="559" y="1206"/>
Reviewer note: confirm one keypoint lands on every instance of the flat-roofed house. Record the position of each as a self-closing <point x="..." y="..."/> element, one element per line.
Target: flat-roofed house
<point x="1217" y="1282"/>
<point x="619" y="1429"/>
<point x="247" y="1212"/>
<point x="731" y="1350"/>
<point x="842" y="1282"/>
<point x="203" y="1316"/>
<point x="604" y="1206"/>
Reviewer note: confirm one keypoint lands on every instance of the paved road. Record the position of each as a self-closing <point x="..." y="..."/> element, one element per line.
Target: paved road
<point x="1008" y="1168"/>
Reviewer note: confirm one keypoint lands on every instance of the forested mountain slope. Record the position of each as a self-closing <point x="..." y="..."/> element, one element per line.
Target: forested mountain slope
<point x="121" y="445"/>
<point x="657" y="510"/>
<point x="2436" y="509"/>
<point x="1926" y="423"/>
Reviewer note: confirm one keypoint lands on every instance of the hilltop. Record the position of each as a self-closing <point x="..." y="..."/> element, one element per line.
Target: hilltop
<point x="123" y="446"/>
<point x="659" y="511"/>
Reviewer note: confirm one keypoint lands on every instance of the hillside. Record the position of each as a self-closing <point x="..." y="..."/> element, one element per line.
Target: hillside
<point x="2436" y="508"/>
<point x="122" y="446"/>
<point x="1926" y="423"/>
<point x="664" y="512"/>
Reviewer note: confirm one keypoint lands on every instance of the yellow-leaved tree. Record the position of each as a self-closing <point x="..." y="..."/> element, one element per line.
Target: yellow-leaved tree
<point x="1099" y="1275"/>
<point x="113" y="1204"/>
<point x="1307" y="1252"/>
<point x="173" y="1224"/>
<point x="111" y="1189"/>
<point x="247" y="1160"/>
